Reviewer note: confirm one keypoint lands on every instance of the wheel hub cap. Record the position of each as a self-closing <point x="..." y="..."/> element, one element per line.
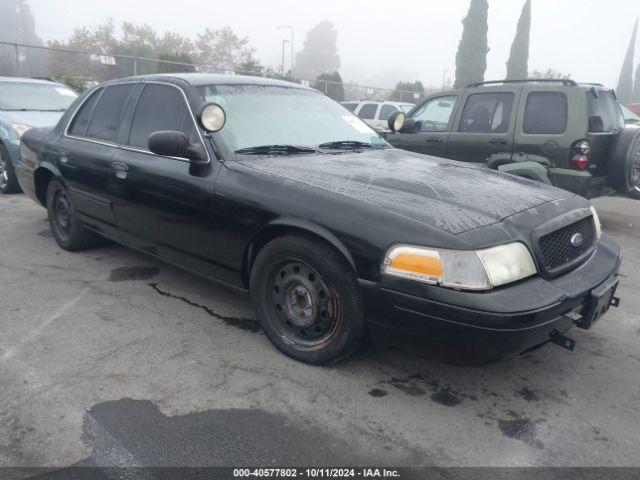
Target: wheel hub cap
<point x="301" y="308"/>
<point x="4" y="175"/>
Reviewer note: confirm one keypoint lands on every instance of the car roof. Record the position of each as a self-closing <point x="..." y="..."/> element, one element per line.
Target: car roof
<point x="27" y="80"/>
<point x="200" y="79"/>
<point x="377" y="102"/>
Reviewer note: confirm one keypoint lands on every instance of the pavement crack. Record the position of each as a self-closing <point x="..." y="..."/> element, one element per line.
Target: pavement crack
<point x="242" y="323"/>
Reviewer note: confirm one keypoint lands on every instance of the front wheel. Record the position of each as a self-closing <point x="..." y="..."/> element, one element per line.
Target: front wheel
<point x="8" y="180"/>
<point x="307" y="300"/>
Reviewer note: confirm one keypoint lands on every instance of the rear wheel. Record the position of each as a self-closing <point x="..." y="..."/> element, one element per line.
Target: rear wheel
<point x="307" y="300"/>
<point x="66" y="226"/>
<point x="8" y="180"/>
<point x="625" y="168"/>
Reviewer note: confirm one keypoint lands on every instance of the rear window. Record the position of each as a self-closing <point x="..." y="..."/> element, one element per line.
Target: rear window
<point x="105" y="120"/>
<point x="545" y="113"/>
<point x="605" y="106"/>
<point x="368" y="111"/>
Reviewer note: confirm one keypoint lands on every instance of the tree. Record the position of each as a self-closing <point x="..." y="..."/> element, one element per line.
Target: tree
<point x="471" y="59"/>
<point x="518" y="64"/>
<point x="172" y="67"/>
<point x="223" y="49"/>
<point x="550" y="73"/>
<point x="319" y="54"/>
<point x="625" y="84"/>
<point x="405" y="92"/>
<point x="332" y="85"/>
<point x="18" y="25"/>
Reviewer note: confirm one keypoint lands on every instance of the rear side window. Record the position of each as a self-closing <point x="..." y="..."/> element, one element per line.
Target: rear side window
<point x="545" y="113"/>
<point x="368" y="111"/>
<point x="487" y="113"/>
<point x="387" y="111"/>
<point x="159" y="108"/>
<point x="81" y="120"/>
<point x="604" y="105"/>
<point x="105" y="120"/>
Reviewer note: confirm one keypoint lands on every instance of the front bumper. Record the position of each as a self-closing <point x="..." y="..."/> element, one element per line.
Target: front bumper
<point x="497" y="324"/>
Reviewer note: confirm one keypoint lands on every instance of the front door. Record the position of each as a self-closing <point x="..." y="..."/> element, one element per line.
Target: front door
<point x="85" y="153"/>
<point x="164" y="205"/>
<point x="484" y="128"/>
<point x="433" y="122"/>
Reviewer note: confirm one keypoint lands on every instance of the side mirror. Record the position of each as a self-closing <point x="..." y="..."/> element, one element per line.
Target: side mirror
<point x="596" y="125"/>
<point x="175" y="144"/>
<point x="399" y="123"/>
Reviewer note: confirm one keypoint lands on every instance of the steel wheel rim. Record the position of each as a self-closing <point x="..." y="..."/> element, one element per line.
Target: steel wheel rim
<point x="306" y="312"/>
<point x="4" y="175"/>
<point x="62" y="214"/>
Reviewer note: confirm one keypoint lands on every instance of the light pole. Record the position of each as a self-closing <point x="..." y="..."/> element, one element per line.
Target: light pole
<point x="291" y="30"/>
<point x="284" y="42"/>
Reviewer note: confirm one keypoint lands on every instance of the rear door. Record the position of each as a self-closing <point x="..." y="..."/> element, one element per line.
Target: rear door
<point x="85" y="154"/>
<point x="484" y="125"/>
<point x="164" y="205"/>
<point x="433" y="123"/>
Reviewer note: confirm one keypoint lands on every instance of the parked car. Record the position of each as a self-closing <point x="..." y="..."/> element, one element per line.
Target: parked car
<point x="630" y="118"/>
<point x="26" y="103"/>
<point x="272" y="188"/>
<point x="635" y="108"/>
<point x="377" y="114"/>
<point x="555" y="131"/>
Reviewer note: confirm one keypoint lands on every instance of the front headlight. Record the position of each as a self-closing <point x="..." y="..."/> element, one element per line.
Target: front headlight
<point x="20" y="129"/>
<point x="467" y="270"/>
<point x="596" y="221"/>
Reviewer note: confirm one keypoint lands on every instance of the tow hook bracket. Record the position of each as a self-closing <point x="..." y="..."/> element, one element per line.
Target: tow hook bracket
<point x="563" y="341"/>
<point x="615" y="302"/>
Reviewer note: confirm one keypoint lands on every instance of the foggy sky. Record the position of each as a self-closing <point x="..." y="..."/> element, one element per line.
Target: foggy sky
<point x="381" y="42"/>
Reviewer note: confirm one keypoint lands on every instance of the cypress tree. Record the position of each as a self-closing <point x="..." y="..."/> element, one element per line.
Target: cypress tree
<point x="636" y="87"/>
<point x="518" y="64"/>
<point x="471" y="59"/>
<point x="625" y="84"/>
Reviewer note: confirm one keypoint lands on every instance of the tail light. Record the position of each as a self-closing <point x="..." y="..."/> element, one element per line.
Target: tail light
<point x="580" y="155"/>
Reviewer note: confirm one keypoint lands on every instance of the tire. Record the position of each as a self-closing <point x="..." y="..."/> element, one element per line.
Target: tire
<point x="624" y="171"/>
<point x="307" y="300"/>
<point x="66" y="226"/>
<point x="8" y="180"/>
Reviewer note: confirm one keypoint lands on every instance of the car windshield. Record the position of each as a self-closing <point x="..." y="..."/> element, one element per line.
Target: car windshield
<point x="35" y="96"/>
<point x="605" y="106"/>
<point x="275" y="116"/>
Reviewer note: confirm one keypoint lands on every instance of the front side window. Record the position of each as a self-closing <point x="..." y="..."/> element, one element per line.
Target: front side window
<point x="105" y="120"/>
<point x="368" y="111"/>
<point x="387" y="111"/>
<point x="545" y="113"/>
<point x="259" y="115"/>
<point x="487" y="113"/>
<point x="434" y="116"/>
<point x="160" y="108"/>
<point x="42" y="97"/>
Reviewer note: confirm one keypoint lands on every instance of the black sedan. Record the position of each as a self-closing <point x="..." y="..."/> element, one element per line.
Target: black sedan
<point x="273" y="188"/>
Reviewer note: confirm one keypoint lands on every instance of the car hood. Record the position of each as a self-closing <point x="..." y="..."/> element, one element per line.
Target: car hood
<point x="33" y="118"/>
<point x="453" y="196"/>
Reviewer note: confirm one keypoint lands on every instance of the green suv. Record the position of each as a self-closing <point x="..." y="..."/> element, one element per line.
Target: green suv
<point x="558" y="132"/>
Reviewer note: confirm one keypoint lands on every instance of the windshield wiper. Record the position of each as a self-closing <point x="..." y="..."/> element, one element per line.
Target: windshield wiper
<point x="349" y="145"/>
<point x="275" y="150"/>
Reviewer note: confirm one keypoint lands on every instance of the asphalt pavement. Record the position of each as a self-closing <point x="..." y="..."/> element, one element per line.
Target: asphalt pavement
<point x="111" y="358"/>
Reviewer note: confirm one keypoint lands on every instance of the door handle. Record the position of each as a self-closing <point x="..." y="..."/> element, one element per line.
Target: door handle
<point x="434" y="140"/>
<point x="121" y="169"/>
<point x="498" y="141"/>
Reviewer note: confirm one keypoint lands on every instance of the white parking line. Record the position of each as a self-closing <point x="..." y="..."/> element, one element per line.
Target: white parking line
<point x="36" y="332"/>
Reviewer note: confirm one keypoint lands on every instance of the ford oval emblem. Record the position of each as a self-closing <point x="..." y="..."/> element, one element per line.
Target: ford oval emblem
<point x="577" y="240"/>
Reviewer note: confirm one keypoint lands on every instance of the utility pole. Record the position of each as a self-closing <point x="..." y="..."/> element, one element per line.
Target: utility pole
<point x="25" y="38"/>
<point x="292" y="53"/>
<point x="284" y="42"/>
